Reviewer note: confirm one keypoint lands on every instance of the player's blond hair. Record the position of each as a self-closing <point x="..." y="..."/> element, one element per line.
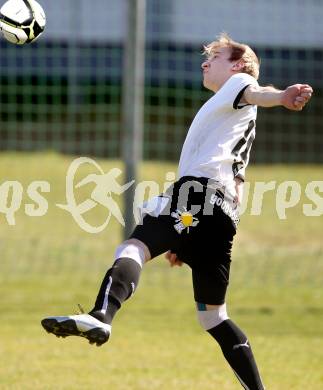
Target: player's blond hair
<point x="239" y="51"/>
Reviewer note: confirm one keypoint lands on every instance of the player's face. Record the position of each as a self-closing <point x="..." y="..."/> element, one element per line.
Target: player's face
<point x="217" y="69"/>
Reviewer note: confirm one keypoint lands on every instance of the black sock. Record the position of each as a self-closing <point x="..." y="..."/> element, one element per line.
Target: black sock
<point x="236" y="349"/>
<point x="118" y="285"/>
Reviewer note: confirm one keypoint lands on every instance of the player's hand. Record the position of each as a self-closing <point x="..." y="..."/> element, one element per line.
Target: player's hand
<point x="239" y="190"/>
<point x="296" y="96"/>
<point x="173" y="259"/>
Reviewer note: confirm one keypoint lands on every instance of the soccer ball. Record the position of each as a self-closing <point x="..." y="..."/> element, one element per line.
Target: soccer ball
<point x="22" y="21"/>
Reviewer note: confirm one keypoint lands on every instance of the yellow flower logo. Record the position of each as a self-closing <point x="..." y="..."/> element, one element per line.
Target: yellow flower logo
<point x="184" y="220"/>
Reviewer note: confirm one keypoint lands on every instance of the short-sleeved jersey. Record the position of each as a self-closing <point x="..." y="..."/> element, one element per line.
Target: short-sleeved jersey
<point x="219" y="139"/>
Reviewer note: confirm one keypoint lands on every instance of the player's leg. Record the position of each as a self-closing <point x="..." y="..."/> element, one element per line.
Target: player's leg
<point x="148" y="240"/>
<point x="121" y="280"/>
<point x="233" y="342"/>
<point x="215" y="320"/>
<point x="153" y="237"/>
<point x="118" y="285"/>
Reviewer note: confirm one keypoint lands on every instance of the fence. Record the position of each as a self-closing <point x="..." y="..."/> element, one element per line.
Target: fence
<point x="63" y="93"/>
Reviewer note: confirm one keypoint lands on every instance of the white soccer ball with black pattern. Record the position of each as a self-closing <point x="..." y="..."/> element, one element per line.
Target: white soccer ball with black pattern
<point x="22" y="21"/>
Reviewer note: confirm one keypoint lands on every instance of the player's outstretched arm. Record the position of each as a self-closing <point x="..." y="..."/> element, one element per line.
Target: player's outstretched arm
<point x="293" y="97"/>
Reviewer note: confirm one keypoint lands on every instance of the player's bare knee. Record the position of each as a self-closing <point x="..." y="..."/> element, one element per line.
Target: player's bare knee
<point x="133" y="249"/>
<point x="210" y="316"/>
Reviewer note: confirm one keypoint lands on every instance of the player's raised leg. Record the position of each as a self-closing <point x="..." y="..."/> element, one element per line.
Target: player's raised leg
<point x="117" y="286"/>
<point x="121" y="280"/>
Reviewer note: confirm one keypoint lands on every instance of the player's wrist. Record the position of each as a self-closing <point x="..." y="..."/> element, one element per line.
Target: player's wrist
<point x="281" y="98"/>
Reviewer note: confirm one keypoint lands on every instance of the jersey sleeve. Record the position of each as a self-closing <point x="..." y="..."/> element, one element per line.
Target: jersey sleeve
<point x="232" y="91"/>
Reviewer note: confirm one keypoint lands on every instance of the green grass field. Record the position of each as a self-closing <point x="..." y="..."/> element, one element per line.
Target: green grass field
<point x="48" y="265"/>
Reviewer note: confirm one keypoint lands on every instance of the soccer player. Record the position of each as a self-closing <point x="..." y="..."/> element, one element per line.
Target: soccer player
<point x="195" y="220"/>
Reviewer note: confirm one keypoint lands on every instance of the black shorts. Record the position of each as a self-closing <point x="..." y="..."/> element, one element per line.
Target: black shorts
<point x="202" y="239"/>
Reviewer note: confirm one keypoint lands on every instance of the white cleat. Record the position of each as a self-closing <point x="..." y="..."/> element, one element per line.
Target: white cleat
<point x="83" y="325"/>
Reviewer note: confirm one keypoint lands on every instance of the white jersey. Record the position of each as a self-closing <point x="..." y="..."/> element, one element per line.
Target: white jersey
<point x="219" y="139"/>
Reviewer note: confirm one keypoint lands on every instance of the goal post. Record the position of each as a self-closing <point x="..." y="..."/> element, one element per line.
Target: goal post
<point x="133" y="102"/>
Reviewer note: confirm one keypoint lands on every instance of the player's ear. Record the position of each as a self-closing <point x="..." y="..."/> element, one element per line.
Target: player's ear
<point x="238" y="66"/>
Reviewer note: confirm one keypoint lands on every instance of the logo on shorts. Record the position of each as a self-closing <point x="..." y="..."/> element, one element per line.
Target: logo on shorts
<point x="228" y="209"/>
<point x="184" y="220"/>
